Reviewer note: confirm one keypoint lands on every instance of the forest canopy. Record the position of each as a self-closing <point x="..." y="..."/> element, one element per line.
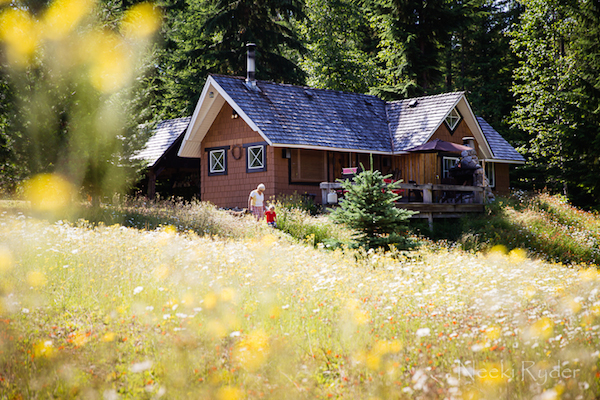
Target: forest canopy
<point x="531" y="68"/>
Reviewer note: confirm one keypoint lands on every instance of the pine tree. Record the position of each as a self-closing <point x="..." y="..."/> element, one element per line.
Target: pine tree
<point x="369" y="209"/>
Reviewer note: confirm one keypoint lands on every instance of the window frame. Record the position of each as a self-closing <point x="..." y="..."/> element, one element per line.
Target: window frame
<point x="492" y="169"/>
<point x="213" y="150"/>
<point x="249" y="158"/>
<point x="460" y="117"/>
<point x="296" y="157"/>
<point x="446" y="171"/>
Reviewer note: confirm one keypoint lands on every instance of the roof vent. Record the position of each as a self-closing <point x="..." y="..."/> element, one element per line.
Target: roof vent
<point x="413" y="103"/>
<point x="308" y="93"/>
<point x="369" y="102"/>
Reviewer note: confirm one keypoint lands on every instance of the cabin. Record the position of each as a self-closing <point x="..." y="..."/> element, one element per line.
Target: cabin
<point x="297" y="139"/>
<point x="294" y="138"/>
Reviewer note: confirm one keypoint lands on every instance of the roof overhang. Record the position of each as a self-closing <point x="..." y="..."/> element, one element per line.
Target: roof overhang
<point x="209" y="105"/>
<point x="501" y="161"/>
<point x="469" y="118"/>
<point x="340" y="149"/>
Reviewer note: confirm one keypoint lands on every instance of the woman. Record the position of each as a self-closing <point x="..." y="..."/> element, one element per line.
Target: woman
<point x="256" y="202"/>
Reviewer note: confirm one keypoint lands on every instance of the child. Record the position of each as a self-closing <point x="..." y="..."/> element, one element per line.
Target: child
<point x="271" y="216"/>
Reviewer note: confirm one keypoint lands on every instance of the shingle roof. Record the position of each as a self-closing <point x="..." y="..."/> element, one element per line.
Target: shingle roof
<point x="412" y="121"/>
<point x="164" y="135"/>
<point x="297" y="115"/>
<point x="501" y="149"/>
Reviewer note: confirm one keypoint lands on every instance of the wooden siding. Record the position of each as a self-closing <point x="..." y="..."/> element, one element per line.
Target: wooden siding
<point x="461" y="131"/>
<point x="502" y="179"/>
<point x="232" y="190"/>
<point x="420" y="168"/>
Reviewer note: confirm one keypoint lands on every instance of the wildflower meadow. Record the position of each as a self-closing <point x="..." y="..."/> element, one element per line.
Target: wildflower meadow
<point x="112" y="312"/>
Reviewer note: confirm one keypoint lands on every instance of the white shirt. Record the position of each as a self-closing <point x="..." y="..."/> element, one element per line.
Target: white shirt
<point x="256" y="199"/>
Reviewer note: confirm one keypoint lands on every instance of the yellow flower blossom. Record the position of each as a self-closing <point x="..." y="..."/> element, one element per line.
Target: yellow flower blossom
<point x="49" y="192"/>
<point x="20" y="33"/>
<point x="44" y="348"/>
<point x="6" y="259"/>
<point x="36" y="278"/>
<point x="141" y="21"/>
<point x="229" y="393"/>
<point x="63" y="16"/>
<point x="542" y="328"/>
<point x="252" y="351"/>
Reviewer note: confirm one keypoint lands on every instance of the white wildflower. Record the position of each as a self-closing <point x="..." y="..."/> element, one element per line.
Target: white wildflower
<point x="423" y="332"/>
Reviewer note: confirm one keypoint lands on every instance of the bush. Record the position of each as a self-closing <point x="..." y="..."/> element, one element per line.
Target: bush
<point x="369" y="209"/>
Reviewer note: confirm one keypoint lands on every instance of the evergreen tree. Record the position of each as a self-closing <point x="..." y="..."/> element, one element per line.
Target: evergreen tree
<point x="369" y="209"/>
<point x="480" y="60"/>
<point x="73" y="108"/>
<point x="584" y="169"/>
<point x="342" y="47"/>
<point x="235" y="23"/>
<point x="413" y="38"/>
<point x="543" y="86"/>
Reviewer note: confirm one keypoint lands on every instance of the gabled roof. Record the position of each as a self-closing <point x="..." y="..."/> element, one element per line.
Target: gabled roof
<point x="303" y="117"/>
<point x="413" y="121"/>
<point x="163" y="137"/>
<point x="501" y="149"/>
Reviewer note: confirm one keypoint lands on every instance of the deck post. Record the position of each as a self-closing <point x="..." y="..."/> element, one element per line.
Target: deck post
<point x="478" y="196"/>
<point x="324" y="194"/>
<point x="427" y="194"/>
<point x="151" y="184"/>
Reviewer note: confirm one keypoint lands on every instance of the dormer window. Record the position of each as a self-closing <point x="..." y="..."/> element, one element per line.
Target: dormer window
<point x="453" y="119"/>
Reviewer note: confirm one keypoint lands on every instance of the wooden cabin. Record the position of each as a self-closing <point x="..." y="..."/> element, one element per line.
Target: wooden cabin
<point x="292" y="138"/>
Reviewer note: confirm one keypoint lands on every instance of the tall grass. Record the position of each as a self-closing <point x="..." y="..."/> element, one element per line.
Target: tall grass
<point x="296" y="217"/>
<point x="201" y="218"/>
<point x="545" y="225"/>
<point x="97" y="311"/>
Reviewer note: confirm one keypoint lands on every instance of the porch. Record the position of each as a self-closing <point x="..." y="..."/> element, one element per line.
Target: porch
<point x="430" y="200"/>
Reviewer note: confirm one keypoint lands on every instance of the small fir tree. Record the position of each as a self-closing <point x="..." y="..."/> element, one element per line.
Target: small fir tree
<point x="368" y="208"/>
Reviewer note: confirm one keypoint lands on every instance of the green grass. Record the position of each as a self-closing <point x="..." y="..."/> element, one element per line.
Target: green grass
<point x="544" y="225"/>
<point x="92" y="310"/>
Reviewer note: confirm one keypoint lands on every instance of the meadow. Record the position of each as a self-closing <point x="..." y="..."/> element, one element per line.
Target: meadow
<point x="211" y="306"/>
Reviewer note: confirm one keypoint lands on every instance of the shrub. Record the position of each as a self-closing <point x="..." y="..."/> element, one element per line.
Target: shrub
<point x="369" y="209"/>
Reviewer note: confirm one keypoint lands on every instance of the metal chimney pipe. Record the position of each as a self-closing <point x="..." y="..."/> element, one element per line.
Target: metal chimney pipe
<point x="251" y="62"/>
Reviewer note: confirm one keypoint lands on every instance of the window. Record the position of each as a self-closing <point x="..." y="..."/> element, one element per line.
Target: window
<point x="308" y="166"/>
<point x="217" y="160"/>
<point x="490" y="173"/>
<point x="447" y="163"/>
<point x="256" y="160"/>
<point x="453" y="119"/>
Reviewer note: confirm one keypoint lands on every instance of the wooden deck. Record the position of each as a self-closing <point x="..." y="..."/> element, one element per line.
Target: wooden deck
<point x="430" y="200"/>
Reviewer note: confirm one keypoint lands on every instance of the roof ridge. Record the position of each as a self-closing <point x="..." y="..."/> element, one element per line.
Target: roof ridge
<point x="305" y="87"/>
<point x="428" y="96"/>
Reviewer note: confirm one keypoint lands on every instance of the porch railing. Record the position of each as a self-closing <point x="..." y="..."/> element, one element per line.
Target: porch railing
<point x="426" y="194"/>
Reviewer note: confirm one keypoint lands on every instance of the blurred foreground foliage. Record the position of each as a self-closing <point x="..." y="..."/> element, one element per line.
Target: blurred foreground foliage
<point x="95" y="311"/>
<point x="74" y="76"/>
